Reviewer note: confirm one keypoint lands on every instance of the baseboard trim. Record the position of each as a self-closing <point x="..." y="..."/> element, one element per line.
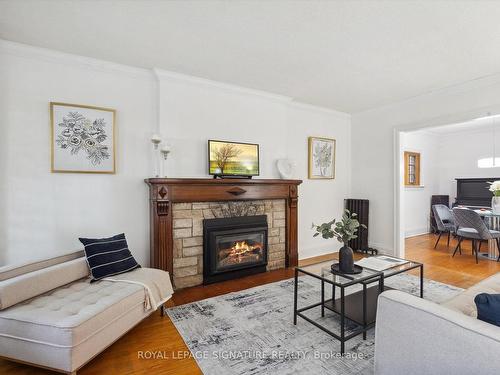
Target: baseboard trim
<point x="318" y="259"/>
<point x="382" y="249"/>
<point x="416" y="232"/>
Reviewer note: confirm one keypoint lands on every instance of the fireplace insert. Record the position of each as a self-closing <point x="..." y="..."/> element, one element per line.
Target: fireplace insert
<point x="234" y="247"/>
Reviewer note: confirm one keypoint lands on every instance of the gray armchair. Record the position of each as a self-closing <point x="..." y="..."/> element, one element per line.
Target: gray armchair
<point x="471" y="226"/>
<point x="444" y="221"/>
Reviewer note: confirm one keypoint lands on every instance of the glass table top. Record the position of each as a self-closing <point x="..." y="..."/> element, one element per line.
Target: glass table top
<point x="323" y="271"/>
<point x="487" y="213"/>
<point x="481" y="212"/>
<point x="401" y="268"/>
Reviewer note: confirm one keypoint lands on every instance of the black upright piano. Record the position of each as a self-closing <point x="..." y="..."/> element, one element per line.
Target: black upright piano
<point x="473" y="192"/>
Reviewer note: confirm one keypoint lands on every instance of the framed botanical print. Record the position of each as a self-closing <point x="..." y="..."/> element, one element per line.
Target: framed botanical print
<point x="83" y="138"/>
<point x="321" y="158"/>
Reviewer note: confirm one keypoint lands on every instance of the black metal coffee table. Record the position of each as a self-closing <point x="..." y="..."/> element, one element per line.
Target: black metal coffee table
<point x="360" y="307"/>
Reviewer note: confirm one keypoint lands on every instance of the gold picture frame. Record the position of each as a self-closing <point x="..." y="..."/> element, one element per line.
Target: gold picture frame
<point x="83" y="140"/>
<point x="321" y="158"/>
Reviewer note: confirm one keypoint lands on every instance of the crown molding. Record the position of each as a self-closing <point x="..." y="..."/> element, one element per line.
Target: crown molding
<point x="315" y="108"/>
<point x="425" y="131"/>
<point x="49" y="55"/>
<point x="162" y="74"/>
<point x="45" y="54"/>
<point x="450" y="90"/>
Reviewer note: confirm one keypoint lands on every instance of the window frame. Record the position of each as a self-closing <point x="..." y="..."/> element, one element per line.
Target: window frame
<point x="408" y="155"/>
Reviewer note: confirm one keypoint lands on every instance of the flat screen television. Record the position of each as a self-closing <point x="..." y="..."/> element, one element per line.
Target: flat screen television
<point x="233" y="159"/>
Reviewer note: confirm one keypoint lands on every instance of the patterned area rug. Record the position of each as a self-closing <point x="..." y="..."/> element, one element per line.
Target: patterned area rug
<point x="252" y="332"/>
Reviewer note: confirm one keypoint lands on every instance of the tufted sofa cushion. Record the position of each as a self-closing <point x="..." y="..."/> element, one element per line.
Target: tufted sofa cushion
<point x="30" y="284"/>
<point x="71" y="314"/>
<point x="464" y="302"/>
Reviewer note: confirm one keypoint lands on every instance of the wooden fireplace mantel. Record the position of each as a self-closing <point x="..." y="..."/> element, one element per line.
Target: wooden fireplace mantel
<point x="163" y="192"/>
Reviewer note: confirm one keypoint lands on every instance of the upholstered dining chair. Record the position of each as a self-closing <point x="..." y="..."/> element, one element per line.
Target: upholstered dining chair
<point x="444" y="221"/>
<point x="471" y="226"/>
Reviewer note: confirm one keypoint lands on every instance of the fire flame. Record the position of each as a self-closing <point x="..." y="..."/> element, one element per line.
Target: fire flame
<point x="240" y="252"/>
<point x="240" y="248"/>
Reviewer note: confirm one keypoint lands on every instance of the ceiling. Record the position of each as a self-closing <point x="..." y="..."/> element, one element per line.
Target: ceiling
<point x="481" y="124"/>
<point x="345" y="55"/>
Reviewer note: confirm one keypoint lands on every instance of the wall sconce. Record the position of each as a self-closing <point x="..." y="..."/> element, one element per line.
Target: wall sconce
<point x="165" y="151"/>
<point x="156" y="140"/>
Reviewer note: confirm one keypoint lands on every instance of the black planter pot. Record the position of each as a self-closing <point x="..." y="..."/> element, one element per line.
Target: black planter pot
<point x="346" y="260"/>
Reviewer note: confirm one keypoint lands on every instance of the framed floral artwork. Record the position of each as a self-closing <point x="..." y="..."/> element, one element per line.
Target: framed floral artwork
<point x="321" y="158"/>
<point x="83" y="138"/>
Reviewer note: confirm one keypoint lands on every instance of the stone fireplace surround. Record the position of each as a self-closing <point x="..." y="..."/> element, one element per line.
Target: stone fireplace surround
<point x="188" y="236"/>
<point x="179" y="206"/>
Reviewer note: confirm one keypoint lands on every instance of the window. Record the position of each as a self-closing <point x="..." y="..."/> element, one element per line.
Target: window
<point x="488" y="163"/>
<point x="412" y="168"/>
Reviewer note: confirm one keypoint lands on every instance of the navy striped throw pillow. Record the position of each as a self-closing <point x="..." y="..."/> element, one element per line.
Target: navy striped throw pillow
<point x="108" y="256"/>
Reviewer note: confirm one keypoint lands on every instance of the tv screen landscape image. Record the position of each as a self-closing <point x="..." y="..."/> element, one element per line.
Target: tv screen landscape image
<point x="231" y="158"/>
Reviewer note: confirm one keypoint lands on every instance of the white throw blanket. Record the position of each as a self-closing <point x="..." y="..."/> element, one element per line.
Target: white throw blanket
<point x="157" y="286"/>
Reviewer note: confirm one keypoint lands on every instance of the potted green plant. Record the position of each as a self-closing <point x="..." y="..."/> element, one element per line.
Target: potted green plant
<point x="344" y="231"/>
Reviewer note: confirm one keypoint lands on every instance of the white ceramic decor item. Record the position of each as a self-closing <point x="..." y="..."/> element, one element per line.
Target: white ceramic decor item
<point x="286" y="168"/>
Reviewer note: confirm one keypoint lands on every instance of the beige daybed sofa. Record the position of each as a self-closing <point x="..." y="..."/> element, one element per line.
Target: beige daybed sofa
<point x="51" y="316"/>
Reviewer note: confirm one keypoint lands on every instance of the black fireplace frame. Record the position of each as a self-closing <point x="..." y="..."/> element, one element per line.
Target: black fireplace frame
<point x="226" y="226"/>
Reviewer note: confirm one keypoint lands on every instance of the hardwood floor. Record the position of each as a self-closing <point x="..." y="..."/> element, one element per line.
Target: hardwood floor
<point x="461" y="271"/>
<point x="158" y="334"/>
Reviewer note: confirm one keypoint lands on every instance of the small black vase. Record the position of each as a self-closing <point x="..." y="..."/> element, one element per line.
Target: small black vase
<point x="346" y="261"/>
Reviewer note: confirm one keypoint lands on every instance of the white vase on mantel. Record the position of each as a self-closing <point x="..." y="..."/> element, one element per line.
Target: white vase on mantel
<point x="495" y="205"/>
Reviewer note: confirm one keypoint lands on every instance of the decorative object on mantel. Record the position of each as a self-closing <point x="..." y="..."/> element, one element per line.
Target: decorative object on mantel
<point x="233" y="160"/>
<point x="344" y="231"/>
<point x="165" y="151"/>
<point x="321" y="158"/>
<point x="156" y="140"/>
<point x="83" y="138"/>
<point x="286" y="168"/>
<point x="495" y="200"/>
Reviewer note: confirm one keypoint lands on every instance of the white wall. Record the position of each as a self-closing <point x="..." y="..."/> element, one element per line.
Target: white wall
<point x="320" y="200"/>
<point x="417" y="199"/>
<point x="373" y="140"/>
<point x="458" y="156"/>
<point x="42" y="214"/>
<point x="194" y="110"/>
